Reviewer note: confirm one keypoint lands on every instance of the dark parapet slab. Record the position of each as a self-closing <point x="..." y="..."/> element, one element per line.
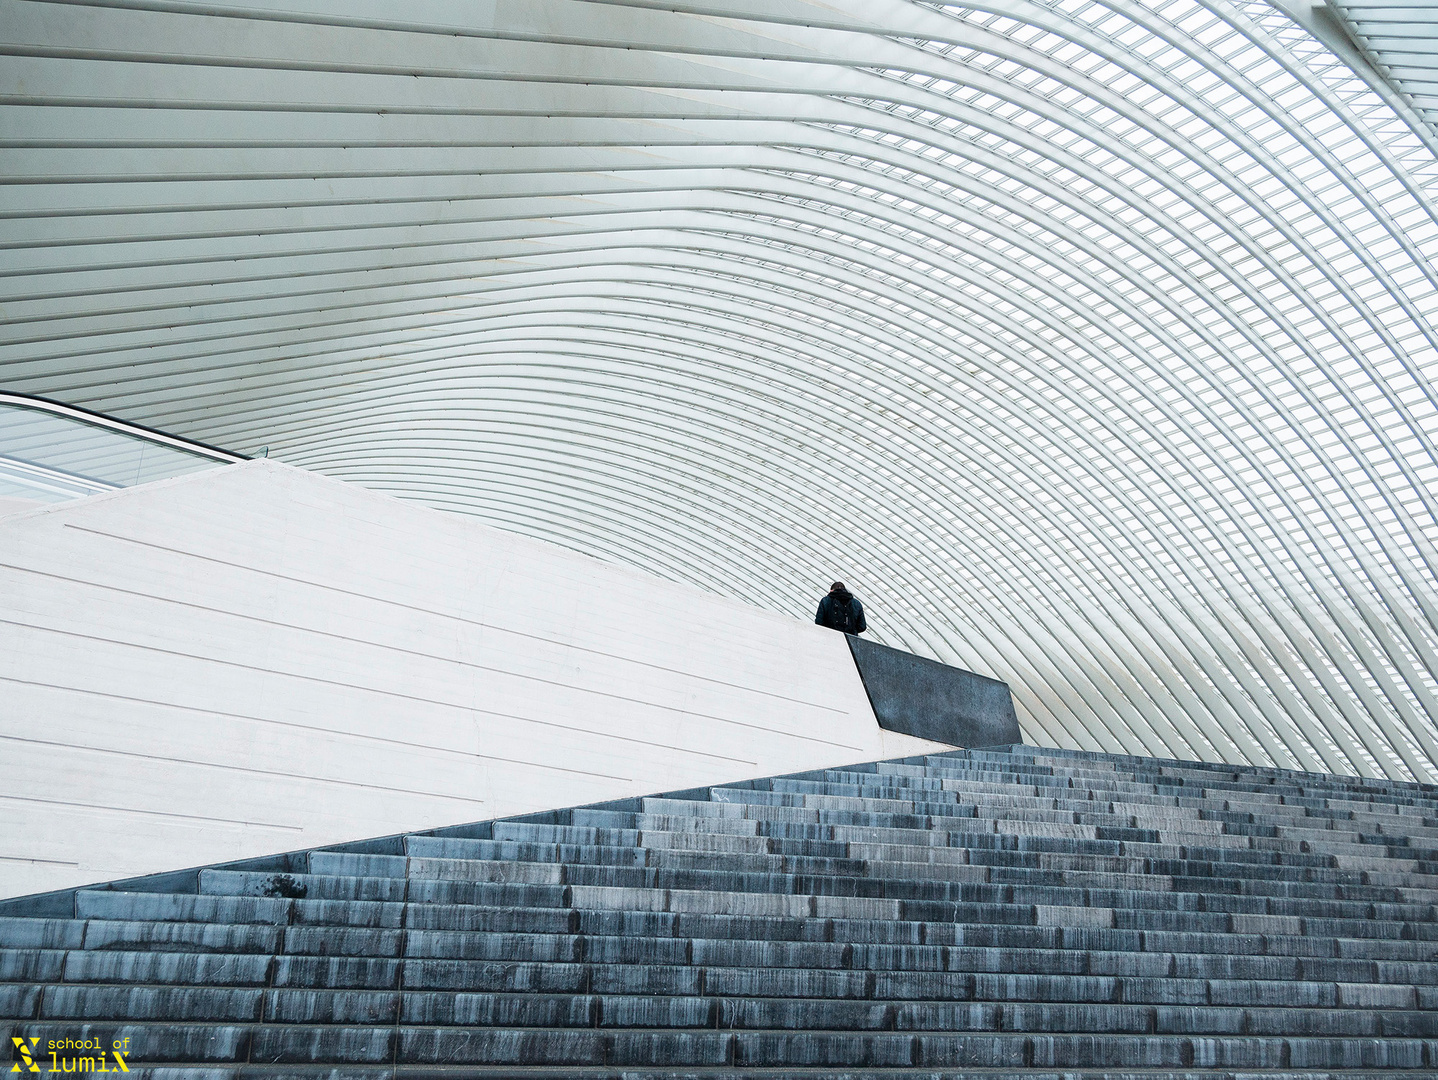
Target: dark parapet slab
<point x="929" y="700"/>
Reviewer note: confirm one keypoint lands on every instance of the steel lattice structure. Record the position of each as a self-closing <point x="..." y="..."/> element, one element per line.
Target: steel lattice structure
<point x="1092" y="342"/>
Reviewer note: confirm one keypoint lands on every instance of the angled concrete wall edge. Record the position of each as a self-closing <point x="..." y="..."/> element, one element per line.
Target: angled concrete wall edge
<point x="60" y="903"/>
<point x="257" y="658"/>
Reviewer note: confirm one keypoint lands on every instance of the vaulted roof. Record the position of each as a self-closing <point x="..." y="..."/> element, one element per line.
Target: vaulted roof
<point x="1092" y="343"/>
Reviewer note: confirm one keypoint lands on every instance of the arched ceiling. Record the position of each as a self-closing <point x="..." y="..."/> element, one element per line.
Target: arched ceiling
<point x="1092" y="343"/>
<point x="1397" y="39"/>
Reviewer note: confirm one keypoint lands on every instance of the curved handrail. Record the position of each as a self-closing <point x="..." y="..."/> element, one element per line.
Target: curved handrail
<point x="75" y="412"/>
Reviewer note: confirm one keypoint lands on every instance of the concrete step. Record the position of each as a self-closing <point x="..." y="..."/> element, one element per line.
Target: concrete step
<point x="995" y="913"/>
<point x="700" y="1048"/>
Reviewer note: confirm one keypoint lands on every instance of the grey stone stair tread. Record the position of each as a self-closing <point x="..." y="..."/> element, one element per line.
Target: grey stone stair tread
<point x="338" y="972"/>
<point x="151" y="1043"/>
<point x="31" y="965"/>
<point x="353" y="864"/>
<point x="1264" y="866"/>
<point x="373" y="914"/>
<point x="480" y="1072"/>
<point x="910" y="1073"/>
<point x="170" y="907"/>
<point x="19" y="1001"/>
<point x="1181" y="877"/>
<point x="549" y="921"/>
<point x="306" y="1043"/>
<point x="353" y="1007"/>
<point x="999" y="912"/>
<point x="343" y="941"/>
<point x="730" y="836"/>
<point x="1041" y="888"/>
<point x="41" y="933"/>
<point x="168" y="968"/>
<point x="731" y="951"/>
<point x="127" y="1003"/>
<point x="300" y="886"/>
<point x="1217" y="980"/>
<point x="181" y="936"/>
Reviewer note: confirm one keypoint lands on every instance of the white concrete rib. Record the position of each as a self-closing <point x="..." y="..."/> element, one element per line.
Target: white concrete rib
<point x="1092" y="343"/>
<point x="1399" y="38"/>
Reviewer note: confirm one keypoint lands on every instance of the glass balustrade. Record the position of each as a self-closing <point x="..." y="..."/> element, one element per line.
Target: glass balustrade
<point x="51" y="452"/>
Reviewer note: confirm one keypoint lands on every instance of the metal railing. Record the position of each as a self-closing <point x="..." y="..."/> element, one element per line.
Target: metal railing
<point x="50" y="452"/>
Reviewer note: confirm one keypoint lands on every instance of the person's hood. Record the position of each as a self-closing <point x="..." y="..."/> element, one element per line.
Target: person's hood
<point x="842" y="595"/>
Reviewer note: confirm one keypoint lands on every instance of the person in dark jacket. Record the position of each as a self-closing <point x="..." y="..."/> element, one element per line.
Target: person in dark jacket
<point x="841" y="610"/>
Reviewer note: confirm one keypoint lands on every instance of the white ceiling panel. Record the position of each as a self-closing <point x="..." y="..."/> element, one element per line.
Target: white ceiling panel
<point x="1092" y="343"/>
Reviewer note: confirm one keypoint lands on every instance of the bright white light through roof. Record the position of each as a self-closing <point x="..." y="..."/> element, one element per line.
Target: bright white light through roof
<point x="1092" y="344"/>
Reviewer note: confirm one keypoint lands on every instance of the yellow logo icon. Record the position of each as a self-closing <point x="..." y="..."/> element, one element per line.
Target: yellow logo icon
<point x="25" y="1057"/>
<point x="85" y="1065"/>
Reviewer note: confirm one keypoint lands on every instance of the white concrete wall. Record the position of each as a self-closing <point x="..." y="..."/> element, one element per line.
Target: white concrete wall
<point x="14" y="506"/>
<point x="256" y="659"/>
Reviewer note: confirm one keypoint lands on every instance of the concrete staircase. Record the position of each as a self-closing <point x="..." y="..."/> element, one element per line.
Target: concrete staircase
<point x="1011" y="912"/>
